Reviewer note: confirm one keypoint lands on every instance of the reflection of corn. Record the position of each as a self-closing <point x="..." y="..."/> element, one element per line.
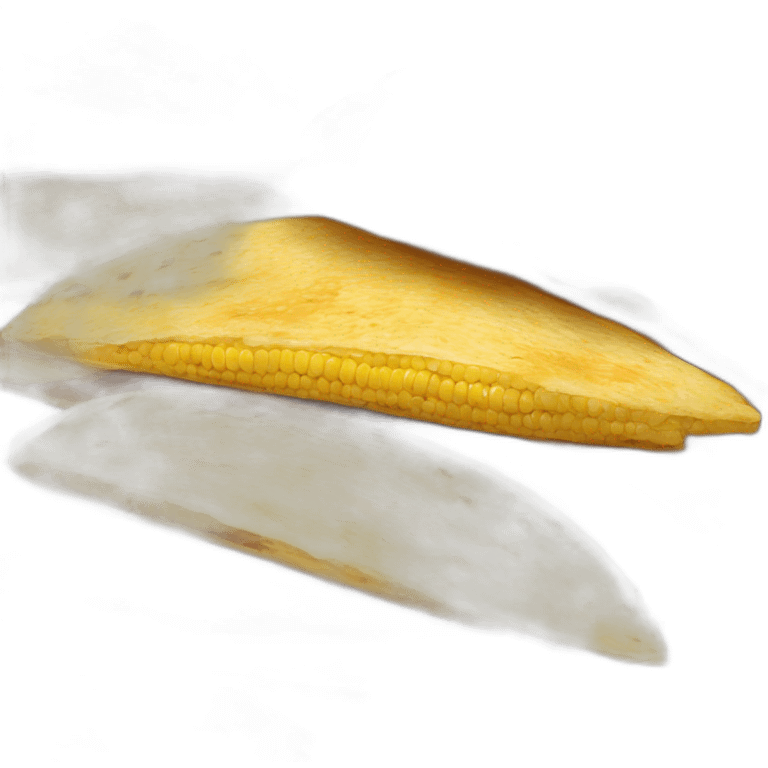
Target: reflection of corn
<point x="434" y="390"/>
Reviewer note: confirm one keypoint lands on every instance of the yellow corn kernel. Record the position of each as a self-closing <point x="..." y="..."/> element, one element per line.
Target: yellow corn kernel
<point x="301" y="362"/>
<point x="408" y="378"/>
<point x="471" y="374"/>
<point x="374" y="378"/>
<point x="219" y="358"/>
<point x="420" y="382"/>
<point x="511" y="401"/>
<point x="525" y="404"/>
<point x="245" y="361"/>
<point x="496" y="398"/>
<point x="332" y="368"/>
<point x="579" y="404"/>
<point x="273" y="360"/>
<point x="316" y="365"/>
<point x="286" y="361"/>
<point x="171" y="354"/>
<point x="642" y="432"/>
<point x="433" y="385"/>
<point x="347" y="371"/>
<point x="477" y="395"/>
<point x="548" y="400"/>
<point x="460" y="392"/>
<point x="232" y="359"/>
<point x="589" y="425"/>
<point x="362" y="372"/>
<point x="445" y="392"/>
<point x="206" y="357"/>
<point x="281" y="380"/>
<point x="396" y="380"/>
<point x="260" y="361"/>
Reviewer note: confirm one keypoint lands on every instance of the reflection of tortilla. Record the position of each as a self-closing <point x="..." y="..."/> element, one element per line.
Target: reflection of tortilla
<point x="339" y="495"/>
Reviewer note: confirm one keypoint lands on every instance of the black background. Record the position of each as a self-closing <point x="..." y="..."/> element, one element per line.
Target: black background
<point x="621" y="165"/>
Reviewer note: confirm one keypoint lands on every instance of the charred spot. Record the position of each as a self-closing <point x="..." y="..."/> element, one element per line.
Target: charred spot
<point x="77" y="291"/>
